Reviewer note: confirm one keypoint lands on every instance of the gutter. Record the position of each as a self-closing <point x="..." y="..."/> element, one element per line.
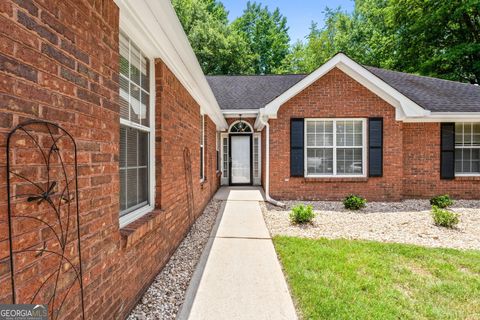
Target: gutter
<point x="267" y="165"/>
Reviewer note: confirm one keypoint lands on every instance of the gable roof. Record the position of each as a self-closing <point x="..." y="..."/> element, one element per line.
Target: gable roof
<point x="404" y="106"/>
<point x="433" y="94"/>
<point x="414" y="96"/>
<point x="250" y="92"/>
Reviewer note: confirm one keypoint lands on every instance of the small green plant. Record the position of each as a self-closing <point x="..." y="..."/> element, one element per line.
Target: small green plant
<point x="353" y="202"/>
<point x="444" y="218"/>
<point x="442" y="201"/>
<point x="302" y="214"/>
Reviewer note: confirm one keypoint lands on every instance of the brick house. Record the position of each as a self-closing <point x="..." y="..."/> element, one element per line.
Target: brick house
<point x="155" y="139"/>
<point x="347" y="128"/>
<point x="122" y="79"/>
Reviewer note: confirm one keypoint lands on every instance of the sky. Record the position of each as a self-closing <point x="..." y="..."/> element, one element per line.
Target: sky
<point x="299" y="13"/>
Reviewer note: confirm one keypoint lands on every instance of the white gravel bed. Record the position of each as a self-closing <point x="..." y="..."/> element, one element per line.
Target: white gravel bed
<point x="408" y="221"/>
<point x="166" y="294"/>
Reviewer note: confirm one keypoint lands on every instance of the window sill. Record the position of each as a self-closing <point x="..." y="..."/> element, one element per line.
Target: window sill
<point x="136" y="230"/>
<point x="467" y="178"/>
<point x="335" y="179"/>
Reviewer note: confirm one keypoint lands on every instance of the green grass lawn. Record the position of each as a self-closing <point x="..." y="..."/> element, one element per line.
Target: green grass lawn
<point x="342" y="279"/>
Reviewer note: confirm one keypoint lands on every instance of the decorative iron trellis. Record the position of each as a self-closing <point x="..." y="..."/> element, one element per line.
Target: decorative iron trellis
<point x="187" y="163"/>
<point x="43" y="218"/>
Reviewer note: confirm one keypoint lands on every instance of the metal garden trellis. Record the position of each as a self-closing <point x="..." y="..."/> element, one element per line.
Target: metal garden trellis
<point x="50" y="206"/>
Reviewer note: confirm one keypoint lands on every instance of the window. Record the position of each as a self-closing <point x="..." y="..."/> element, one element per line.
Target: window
<point x="135" y="129"/>
<point x="241" y="127"/>
<point x="335" y="147"/>
<point x="225" y="157"/>
<point x="256" y="161"/>
<point x="202" y="149"/>
<point x="217" y="145"/>
<point x="467" y="148"/>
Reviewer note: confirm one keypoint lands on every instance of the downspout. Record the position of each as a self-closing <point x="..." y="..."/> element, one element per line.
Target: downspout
<point x="267" y="165"/>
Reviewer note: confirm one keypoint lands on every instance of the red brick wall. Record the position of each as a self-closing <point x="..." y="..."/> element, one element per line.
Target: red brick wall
<point x="422" y="166"/>
<point x="335" y="95"/>
<point x="411" y="150"/>
<point x="59" y="62"/>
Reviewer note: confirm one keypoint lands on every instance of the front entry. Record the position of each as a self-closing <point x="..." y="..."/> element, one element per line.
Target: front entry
<point x="241" y="159"/>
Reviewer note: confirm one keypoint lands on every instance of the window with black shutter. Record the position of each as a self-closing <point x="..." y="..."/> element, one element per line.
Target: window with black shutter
<point x="375" y="147"/>
<point x="296" y="147"/>
<point x="447" y="151"/>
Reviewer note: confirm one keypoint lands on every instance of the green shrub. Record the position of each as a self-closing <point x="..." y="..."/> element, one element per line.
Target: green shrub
<point x="301" y="214"/>
<point x="353" y="202"/>
<point x="442" y="201"/>
<point x="444" y="218"/>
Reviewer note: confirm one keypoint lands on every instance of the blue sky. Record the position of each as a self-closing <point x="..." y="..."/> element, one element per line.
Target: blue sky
<point x="299" y="13"/>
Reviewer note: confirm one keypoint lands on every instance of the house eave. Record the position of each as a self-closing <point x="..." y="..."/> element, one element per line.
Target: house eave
<point x="156" y="27"/>
<point x="447" y="117"/>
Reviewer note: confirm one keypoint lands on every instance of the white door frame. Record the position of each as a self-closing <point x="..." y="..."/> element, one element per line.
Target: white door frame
<point x="225" y="154"/>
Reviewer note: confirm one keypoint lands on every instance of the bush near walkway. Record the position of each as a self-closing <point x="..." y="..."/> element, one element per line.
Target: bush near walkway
<point x="344" y="279"/>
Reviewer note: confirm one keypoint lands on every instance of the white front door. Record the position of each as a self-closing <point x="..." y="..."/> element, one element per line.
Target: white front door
<point x="240" y="148"/>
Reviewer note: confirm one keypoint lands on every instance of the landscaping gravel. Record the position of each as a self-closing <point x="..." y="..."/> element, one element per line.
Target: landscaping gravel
<point x="408" y="221"/>
<point x="166" y="294"/>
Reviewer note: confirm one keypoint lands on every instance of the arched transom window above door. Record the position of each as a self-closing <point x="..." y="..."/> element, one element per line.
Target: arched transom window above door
<point x="240" y="126"/>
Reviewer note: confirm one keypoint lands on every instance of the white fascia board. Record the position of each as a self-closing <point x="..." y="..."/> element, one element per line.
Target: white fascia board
<point x="447" y="117"/>
<point x="259" y="124"/>
<point x="361" y="75"/>
<point x="245" y="113"/>
<point x="154" y="25"/>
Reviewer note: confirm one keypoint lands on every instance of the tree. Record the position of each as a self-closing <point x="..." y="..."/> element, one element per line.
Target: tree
<point x="428" y="37"/>
<point x="439" y="38"/>
<point x="266" y="34"/>
<point x="219" y="48"/>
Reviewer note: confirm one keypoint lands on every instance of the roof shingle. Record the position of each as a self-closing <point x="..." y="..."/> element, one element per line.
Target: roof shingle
<point x="436" y="95"/>
<point x="250" y="92"/>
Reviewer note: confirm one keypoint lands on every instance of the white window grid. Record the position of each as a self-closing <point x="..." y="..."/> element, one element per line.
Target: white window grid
<point x="256" y="156"/>
<point x="144" y="95"/>
<point x="333" y="146"/>
<point x="225" y="157"/>
<point x="139" y="210"/>
<point x="467" y="137"/>
<point x="217" y="148"/>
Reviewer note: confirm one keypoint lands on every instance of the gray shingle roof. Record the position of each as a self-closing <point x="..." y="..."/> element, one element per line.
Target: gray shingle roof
<point x="250" y="92"/>
<point x="436" y="95"/>
<point x="433" y="94"/>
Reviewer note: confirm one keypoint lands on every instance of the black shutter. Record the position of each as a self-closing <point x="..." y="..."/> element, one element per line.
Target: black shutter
<point x="447" y="151"/>
<point x="375" y="147"/>
<point x="296" y="148"/>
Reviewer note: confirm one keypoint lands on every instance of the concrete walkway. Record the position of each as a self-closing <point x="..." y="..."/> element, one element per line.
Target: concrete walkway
<point x="239" y="276"/>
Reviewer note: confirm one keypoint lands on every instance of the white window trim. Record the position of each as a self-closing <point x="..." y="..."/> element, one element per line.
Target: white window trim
<point x="334" y="147"/>
<point x="465" y="174"/>
<point x="138" y="213"/>
<point x="202" y="145"/>
<point x="218" y="155"/>
<point x="223" y="137"/>
<point x="257" y="179"/>
<point x="238" y="121"/>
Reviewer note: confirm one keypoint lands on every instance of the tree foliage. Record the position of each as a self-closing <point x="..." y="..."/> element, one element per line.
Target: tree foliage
<point x="267" y="36"/>
<point x="219" y="47"/>
<point x="428" y="37"/>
